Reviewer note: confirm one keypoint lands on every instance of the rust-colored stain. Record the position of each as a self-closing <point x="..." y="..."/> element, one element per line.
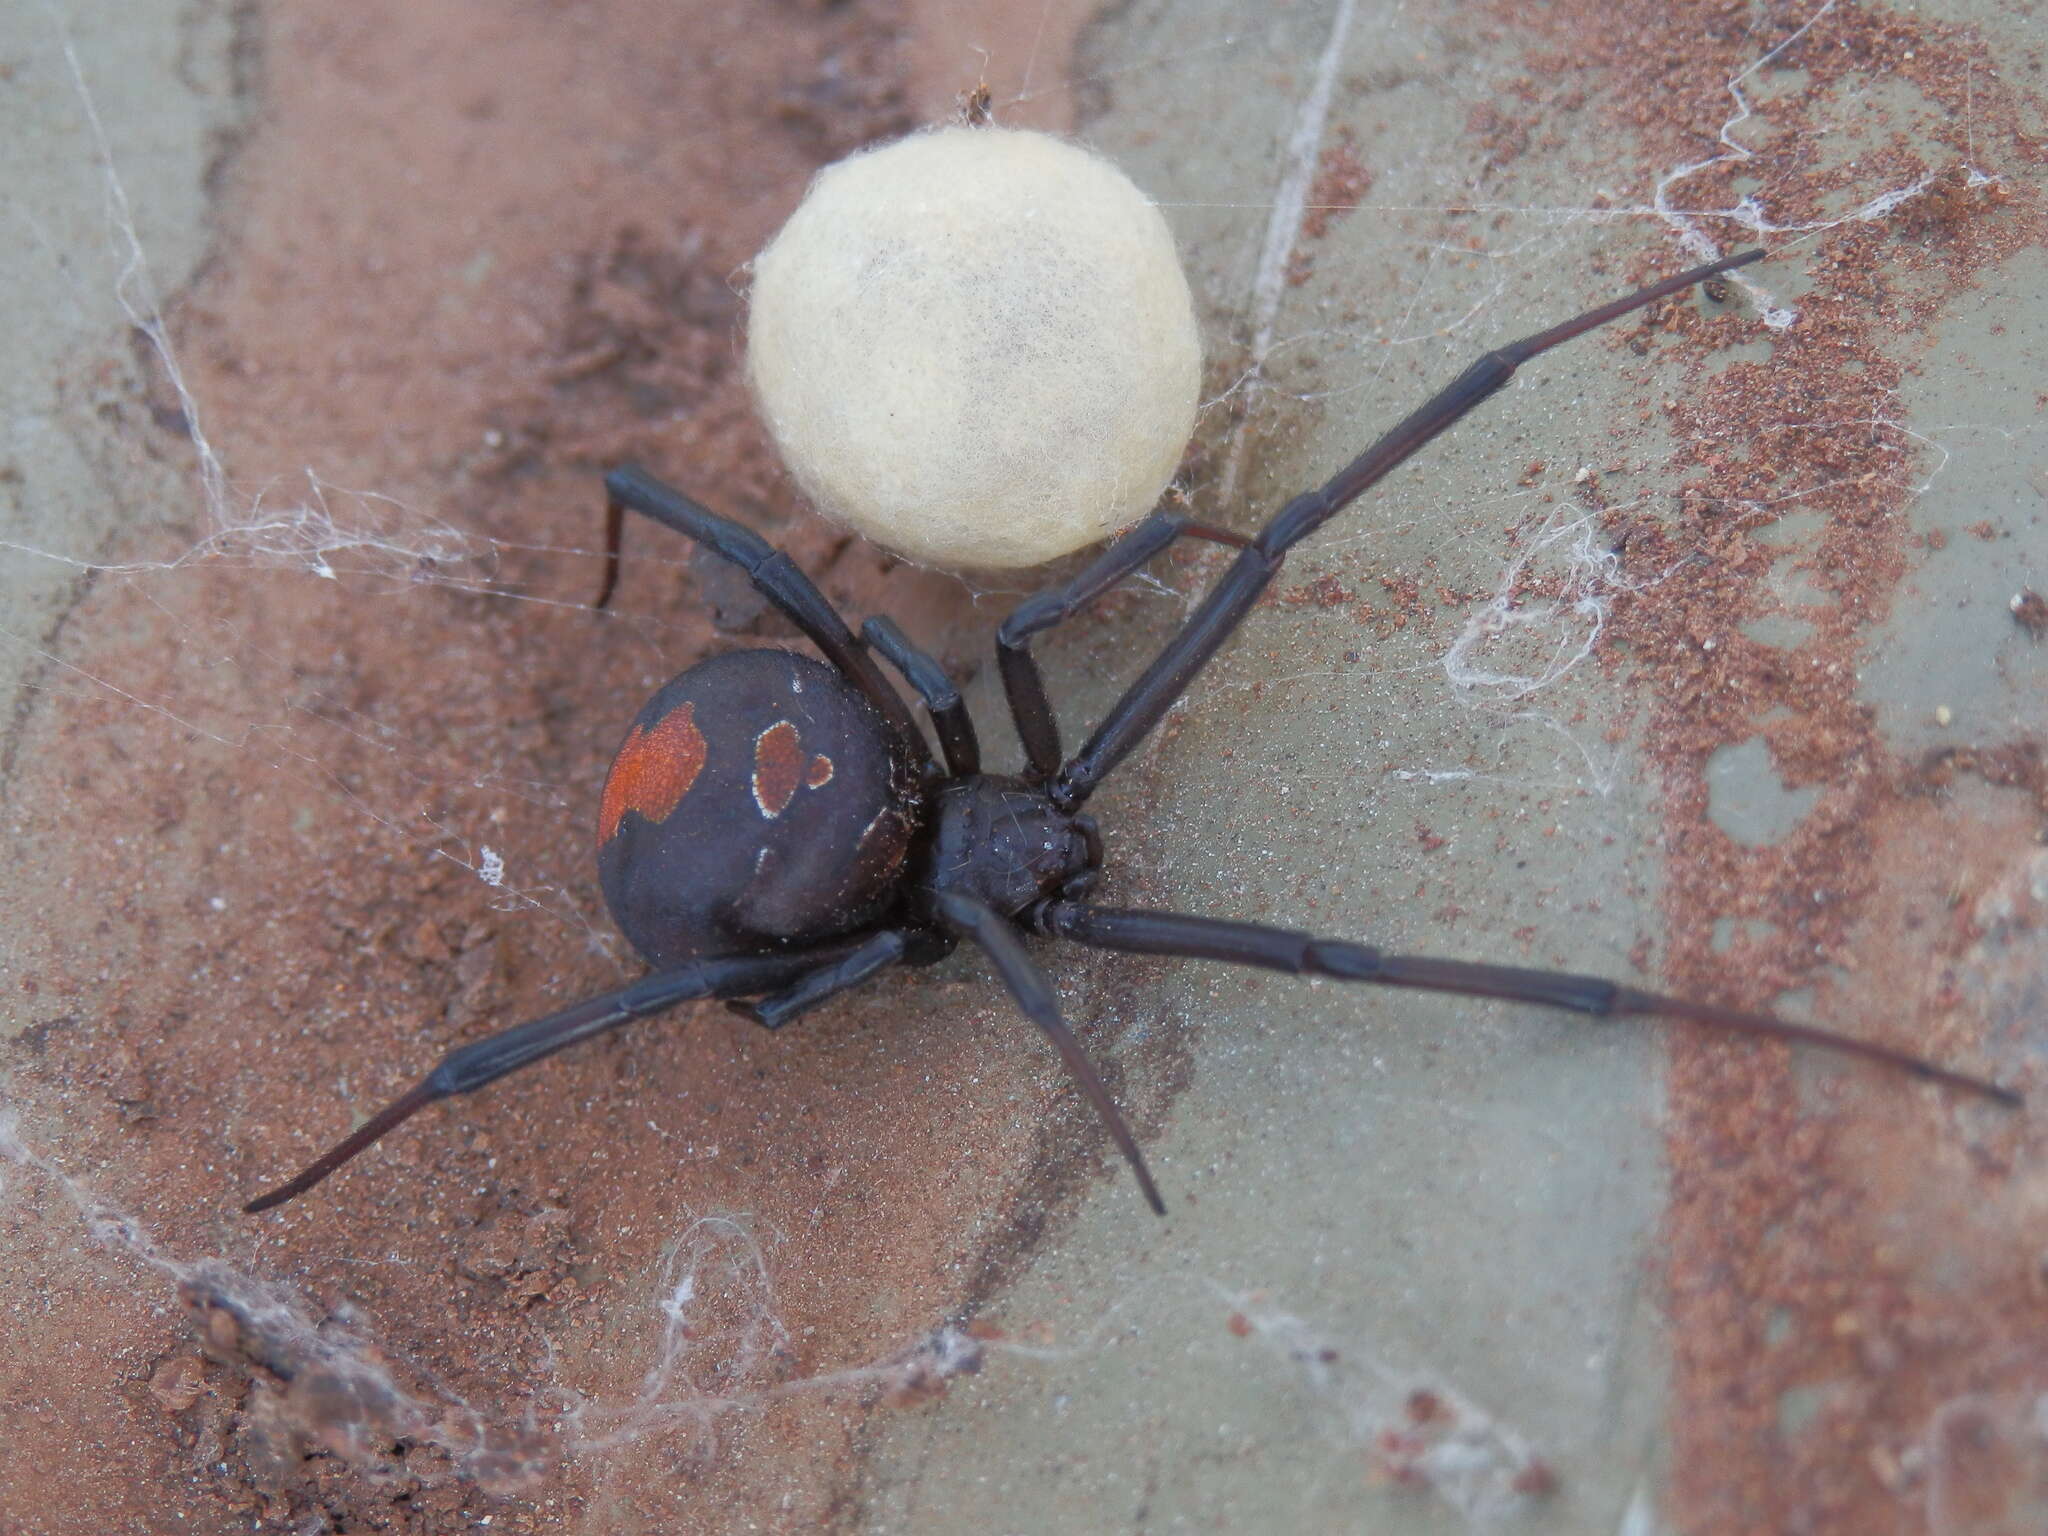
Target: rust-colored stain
<point x="1845" y="1259"/>
<point x="778" y="768"/>
<point x="653" y="771"/>
<point x="820" y="774"/>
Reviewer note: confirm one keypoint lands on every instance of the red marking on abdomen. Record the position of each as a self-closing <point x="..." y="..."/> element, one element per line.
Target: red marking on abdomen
<point x="820" y="774"/>
<point x="653" y="771"/>
<point x="778" y="767"/>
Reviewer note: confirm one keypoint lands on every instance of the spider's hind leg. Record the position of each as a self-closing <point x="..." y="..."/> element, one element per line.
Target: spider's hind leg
<point x="469" y="1067"/>
<point x="774" y="575"/>
<point x="892" y="946"/>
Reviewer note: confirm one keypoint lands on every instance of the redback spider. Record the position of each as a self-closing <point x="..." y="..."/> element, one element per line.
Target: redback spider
<point x="777" y="829"/>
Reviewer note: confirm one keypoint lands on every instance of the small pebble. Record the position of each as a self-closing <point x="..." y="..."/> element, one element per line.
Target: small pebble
<point x="178" y="1382"/>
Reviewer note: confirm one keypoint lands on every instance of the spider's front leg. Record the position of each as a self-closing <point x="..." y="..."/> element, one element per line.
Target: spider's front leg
<point x="1031" y="710"/>
<point x="1303" y="954"/>
<point x="1147" y="700"/>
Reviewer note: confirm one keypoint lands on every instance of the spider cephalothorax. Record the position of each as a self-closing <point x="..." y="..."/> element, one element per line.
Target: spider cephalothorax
<point x="775" y="830"/>
<point x="1002" y="842"/>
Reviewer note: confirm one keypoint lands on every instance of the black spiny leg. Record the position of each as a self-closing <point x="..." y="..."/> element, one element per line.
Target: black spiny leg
<point x="1030" y="708"/>
<point x="1147" y="700"/>
<point x="470" y="1067"/>
<point x="1034" y="995"/>
<point x="957" y="738"/>
<point x="774" y="574"/>
<point x="1301" y="954"/>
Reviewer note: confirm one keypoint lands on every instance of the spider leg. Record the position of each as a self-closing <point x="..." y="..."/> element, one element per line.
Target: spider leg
<point x="891" y="946"/>
<point x="1147" y="700"/>
<point x="957" y="738"/>
<point x="1030" y="707"/>
<point x="774" y="575"/>
<point x="1301" y="954"/>
<point x="471" y="1066"/>
<point x="1034" y="994"/>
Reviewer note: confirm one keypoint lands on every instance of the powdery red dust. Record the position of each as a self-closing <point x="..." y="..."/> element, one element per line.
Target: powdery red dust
<point x="1843" y="1258"/>
<point x="1341" y="184"/>
<point x="468" y="257"/>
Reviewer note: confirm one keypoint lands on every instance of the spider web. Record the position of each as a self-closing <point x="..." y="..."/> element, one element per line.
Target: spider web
<point x="208" y="580"/>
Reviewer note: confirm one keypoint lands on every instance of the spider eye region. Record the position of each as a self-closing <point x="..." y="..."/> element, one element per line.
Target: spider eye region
<point x="757" y="801"/>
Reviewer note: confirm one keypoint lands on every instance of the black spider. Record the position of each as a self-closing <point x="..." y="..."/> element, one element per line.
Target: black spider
<point x="777" y="829"/>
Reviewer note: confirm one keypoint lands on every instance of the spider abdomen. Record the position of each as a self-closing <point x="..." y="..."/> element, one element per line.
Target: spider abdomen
<point x="757" y="800"/>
